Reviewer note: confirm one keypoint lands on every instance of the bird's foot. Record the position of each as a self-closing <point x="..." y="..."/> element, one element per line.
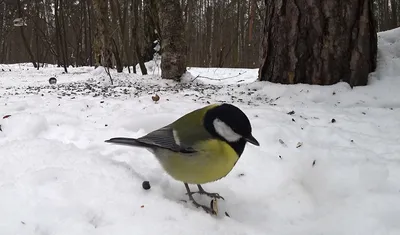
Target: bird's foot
<point x="213" y="205"/>
<point x="212" y="195"/>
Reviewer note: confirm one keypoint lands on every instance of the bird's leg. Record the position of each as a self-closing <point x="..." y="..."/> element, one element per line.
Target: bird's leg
<point x="213" y="195"/>
<point x="196" y="204"/>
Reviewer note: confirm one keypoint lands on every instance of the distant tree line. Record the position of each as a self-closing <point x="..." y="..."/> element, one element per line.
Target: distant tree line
<point x="124" y="32"/>
<point x="73" y="32"/>
<point x="76" y="32"/>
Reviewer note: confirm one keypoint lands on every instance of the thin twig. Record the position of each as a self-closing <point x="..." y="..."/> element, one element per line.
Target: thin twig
<point x="218" y="79"/>
<point x="195" y="78"/>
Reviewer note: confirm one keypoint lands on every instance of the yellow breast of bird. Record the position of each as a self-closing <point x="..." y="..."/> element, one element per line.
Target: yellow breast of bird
<point x="201" y="167"/>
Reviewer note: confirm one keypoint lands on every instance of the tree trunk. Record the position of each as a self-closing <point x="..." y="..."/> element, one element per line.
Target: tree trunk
<point x="151" y="31"/>
<point x="318" y="42"/>
<point x="393" y="4"/>
<point x="64" y="35"/>
<point x="24" y="39"/>
<point x="60" y="48"/>
<point x="135" y="38"/>
<point x="173" y="44"/>
<point x="103" y="41"/>
<point x="117" y="57"/>
<point x="139" y="57"/>
<point x="119" y="25"/>
<point x="90" y="43"/>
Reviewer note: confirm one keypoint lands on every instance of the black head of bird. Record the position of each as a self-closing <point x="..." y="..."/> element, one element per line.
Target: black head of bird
<point x="230" y="124"/>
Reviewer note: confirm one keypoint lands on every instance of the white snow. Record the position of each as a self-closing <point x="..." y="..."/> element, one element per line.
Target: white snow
<point x="311" y="175"/>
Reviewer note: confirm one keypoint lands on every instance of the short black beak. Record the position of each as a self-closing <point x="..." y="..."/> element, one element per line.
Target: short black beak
<point x="252" y="140"/>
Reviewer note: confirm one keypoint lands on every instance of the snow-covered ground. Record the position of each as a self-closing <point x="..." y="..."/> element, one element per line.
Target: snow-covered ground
<point x="329" y="160"/>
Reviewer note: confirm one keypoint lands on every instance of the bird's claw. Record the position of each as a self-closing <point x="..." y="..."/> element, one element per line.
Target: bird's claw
<point x="212" y="195"/>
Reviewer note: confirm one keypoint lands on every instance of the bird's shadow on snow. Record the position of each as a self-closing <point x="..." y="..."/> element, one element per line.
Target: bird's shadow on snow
<point x="161" y="185"/>
<point x="127" y="167"/>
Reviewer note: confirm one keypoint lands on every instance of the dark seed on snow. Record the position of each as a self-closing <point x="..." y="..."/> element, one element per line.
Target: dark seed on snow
<point x="146" y="185"/>
<point x="52" y="80"/>
<point x="333" y="120"/>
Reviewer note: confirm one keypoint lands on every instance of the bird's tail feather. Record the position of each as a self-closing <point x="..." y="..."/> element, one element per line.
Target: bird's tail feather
<point x="125" y="141"/>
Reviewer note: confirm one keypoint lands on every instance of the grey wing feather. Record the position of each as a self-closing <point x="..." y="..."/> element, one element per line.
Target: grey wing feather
<point x="164" y="138"/>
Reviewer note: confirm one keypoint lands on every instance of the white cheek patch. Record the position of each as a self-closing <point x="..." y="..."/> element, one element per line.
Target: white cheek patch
<point x="176" y="137"/>
<point x="225" y="131"/>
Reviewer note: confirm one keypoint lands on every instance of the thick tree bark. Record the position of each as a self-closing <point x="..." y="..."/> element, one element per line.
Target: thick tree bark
<point x="318" y="42"/>
<point x="173" y="44"/>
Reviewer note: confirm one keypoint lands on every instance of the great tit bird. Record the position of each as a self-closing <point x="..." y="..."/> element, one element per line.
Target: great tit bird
<point x="200" y="147"/>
